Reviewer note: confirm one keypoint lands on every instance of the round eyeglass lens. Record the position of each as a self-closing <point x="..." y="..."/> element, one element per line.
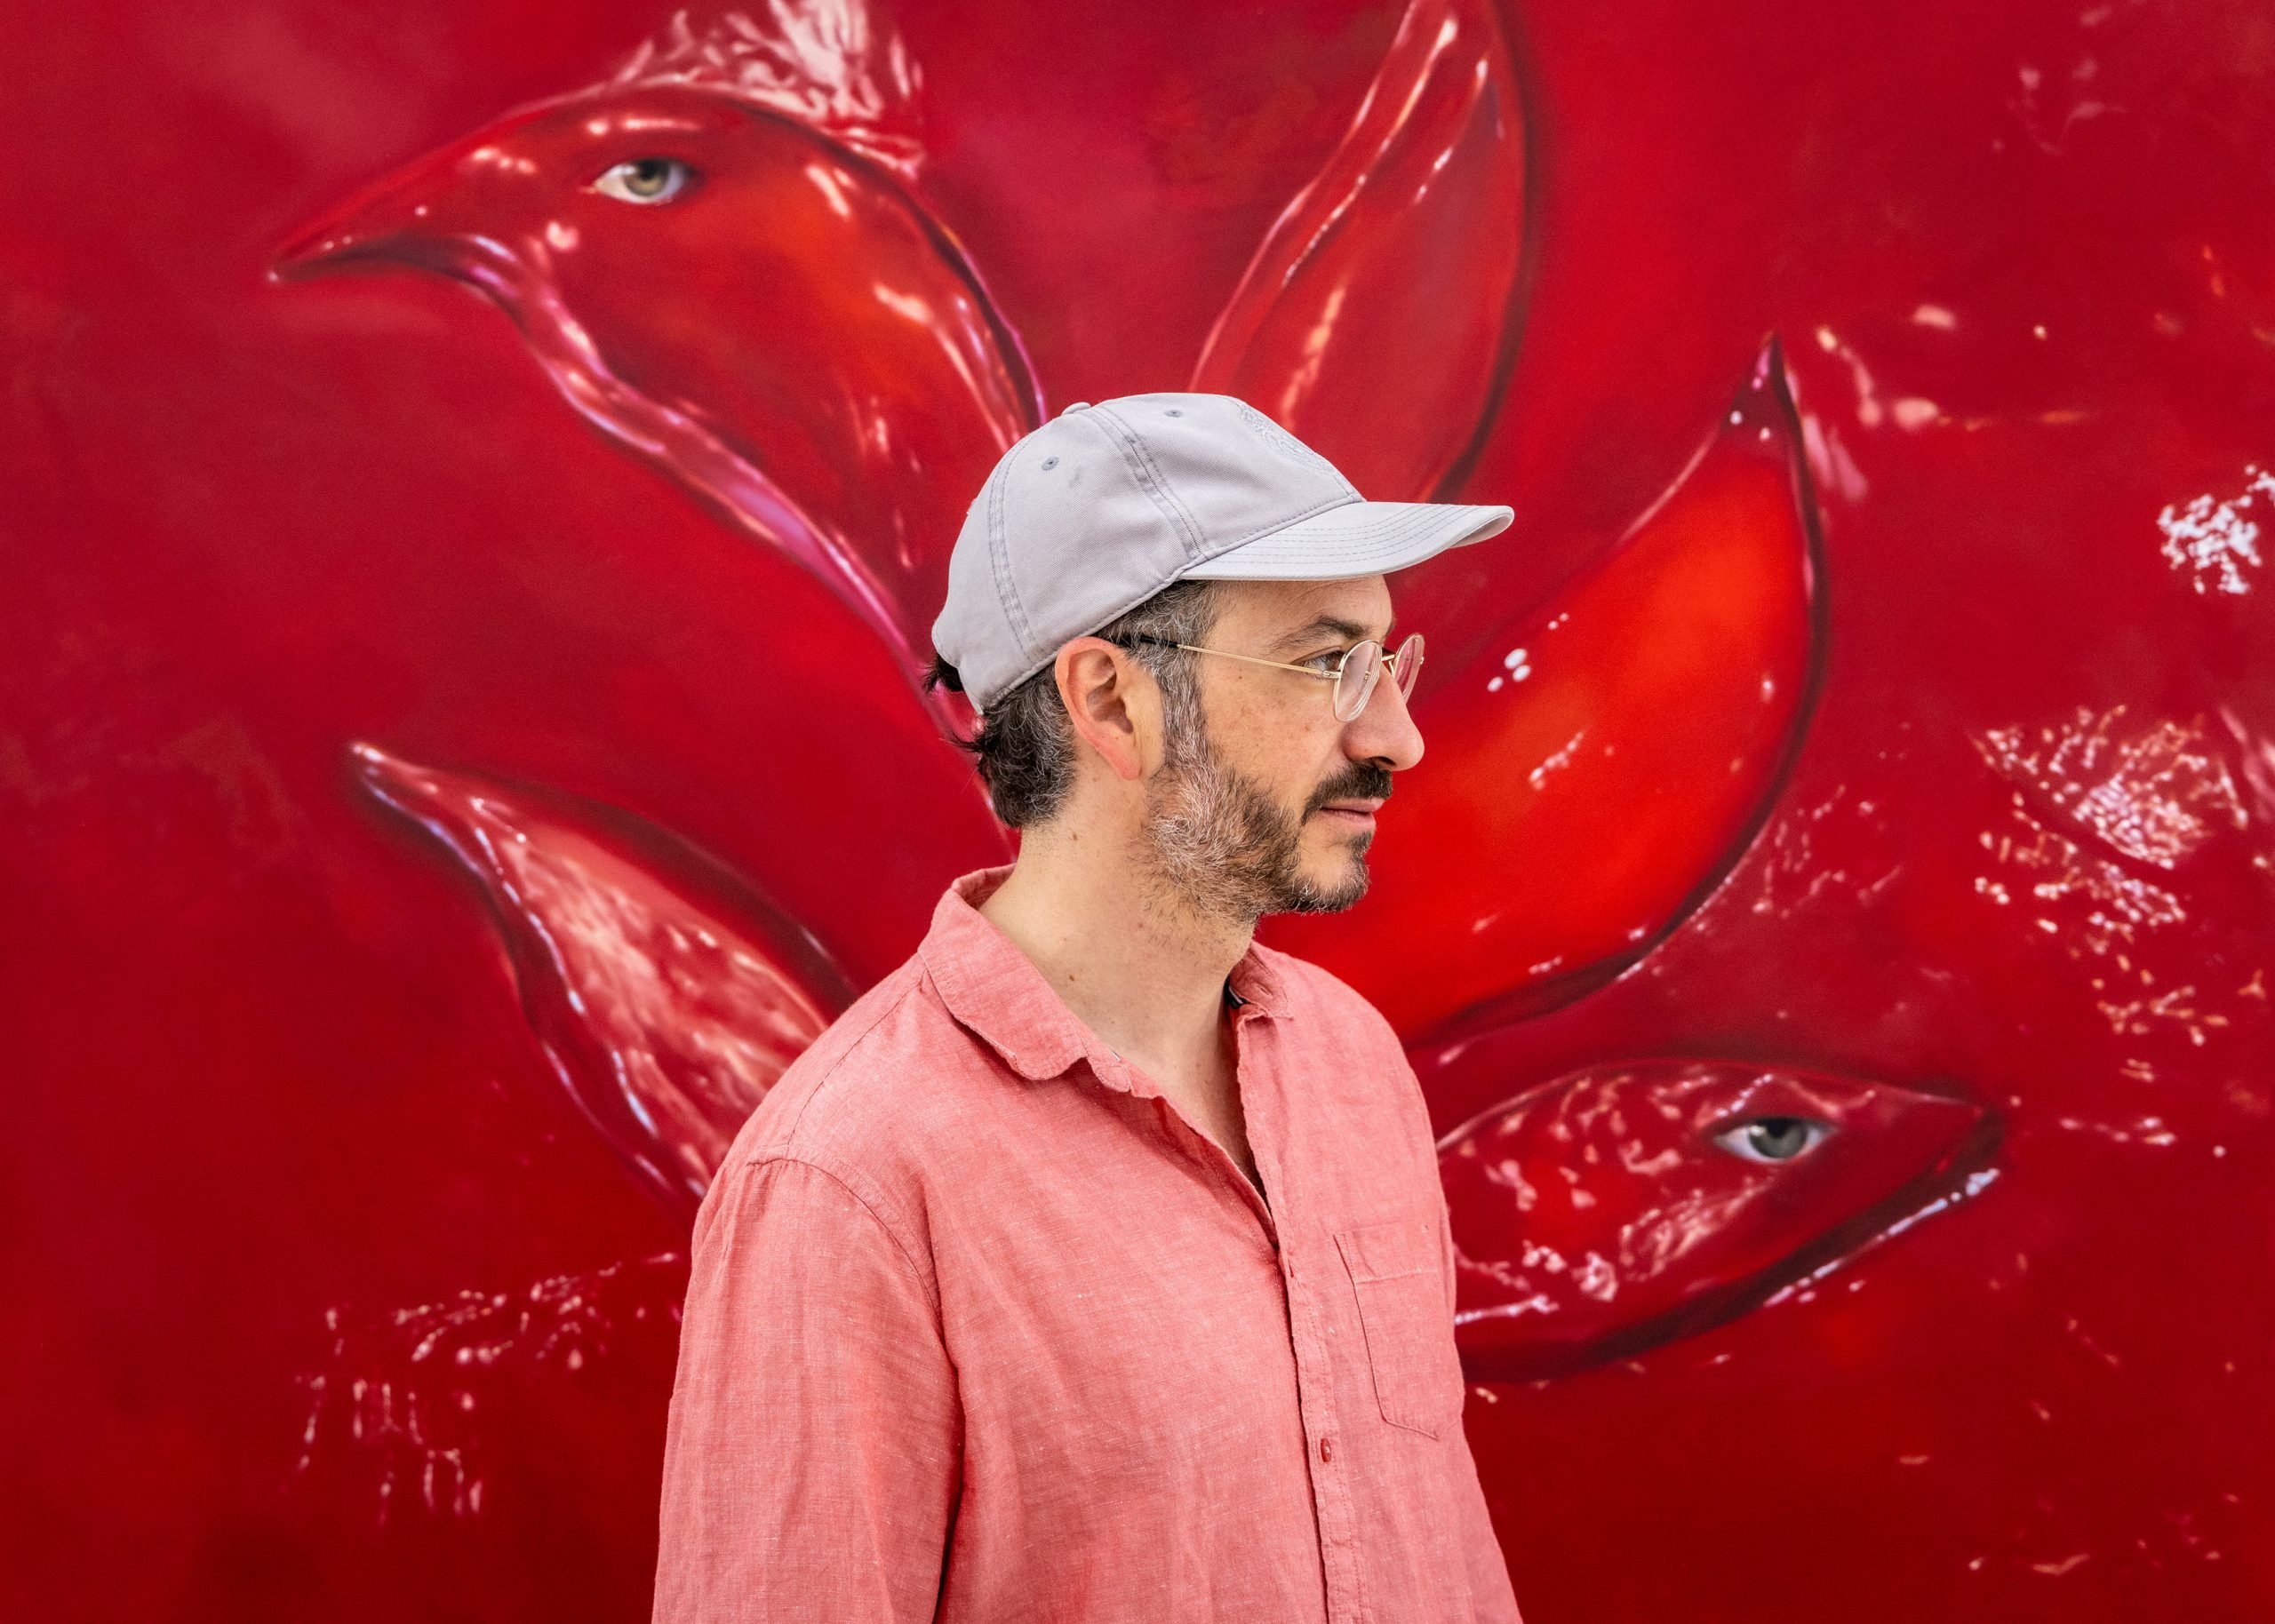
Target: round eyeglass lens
<point x="1407" y="662"/>
<point x="1362" y="662"/>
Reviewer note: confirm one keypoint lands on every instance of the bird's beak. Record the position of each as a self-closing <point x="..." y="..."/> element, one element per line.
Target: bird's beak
<point x="373" y="225"/>
<point x="399" y="219"/>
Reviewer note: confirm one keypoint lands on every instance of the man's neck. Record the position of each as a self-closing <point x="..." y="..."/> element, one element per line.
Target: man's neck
<point x="1143" y="973"/>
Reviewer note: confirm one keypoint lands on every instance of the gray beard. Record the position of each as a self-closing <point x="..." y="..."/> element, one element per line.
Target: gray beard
<point x="1224" y="849"/>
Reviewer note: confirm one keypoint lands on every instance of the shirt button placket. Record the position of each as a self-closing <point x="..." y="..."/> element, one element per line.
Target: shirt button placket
<point x="1331" y="1500"/>
<point x="1308" y="1332"/>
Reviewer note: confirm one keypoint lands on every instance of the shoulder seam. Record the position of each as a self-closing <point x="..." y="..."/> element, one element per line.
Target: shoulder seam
<point x="790" y="1129"/>
<point x="849" y="1182"/>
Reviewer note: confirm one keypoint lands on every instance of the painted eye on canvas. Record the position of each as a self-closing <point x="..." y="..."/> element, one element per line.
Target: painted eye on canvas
<point x="1634" y="1202"/>
<point x="1772" y="1139"/>
<point x="646" y="180"/>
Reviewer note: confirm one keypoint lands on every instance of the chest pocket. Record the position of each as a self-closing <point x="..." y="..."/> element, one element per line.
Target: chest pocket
<point x="1396" y="1271"/>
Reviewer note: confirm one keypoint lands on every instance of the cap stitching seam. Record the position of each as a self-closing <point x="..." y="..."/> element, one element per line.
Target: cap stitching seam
<point x="1152" y="480"/>
<point x="1331" y="554"/>
<point x="1273" y="432"/>
<point x="1397" y="532"/>
<point x="999" y="557"/>
<point x="1396" y="526"/>
<point x="1432" y="515"/>
<point x="1105" y="619"/>
<point x="1279" y="524"/>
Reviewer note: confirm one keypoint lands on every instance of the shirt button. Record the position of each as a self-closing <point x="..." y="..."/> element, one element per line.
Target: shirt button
<point x="1326" y="1449"/>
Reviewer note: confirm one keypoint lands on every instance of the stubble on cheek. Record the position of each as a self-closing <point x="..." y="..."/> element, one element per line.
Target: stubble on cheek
<point x="1222" y="845"/>
<point x="1218" y="842"/>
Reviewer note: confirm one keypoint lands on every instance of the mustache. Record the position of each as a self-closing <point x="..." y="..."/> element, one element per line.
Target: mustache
<point x="1365" y="781"/>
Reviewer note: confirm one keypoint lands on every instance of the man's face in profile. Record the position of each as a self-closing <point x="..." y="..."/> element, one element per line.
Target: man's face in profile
<point x="1265" y="801"/>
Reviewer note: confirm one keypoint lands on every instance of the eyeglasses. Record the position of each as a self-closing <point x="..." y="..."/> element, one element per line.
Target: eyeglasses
<point x="1353" y="676"/>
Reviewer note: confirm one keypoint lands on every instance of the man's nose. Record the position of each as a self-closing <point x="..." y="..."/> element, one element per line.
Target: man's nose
<point x="1384" y="731"/>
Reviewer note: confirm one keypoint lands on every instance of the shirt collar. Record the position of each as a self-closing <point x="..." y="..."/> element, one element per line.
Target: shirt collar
<point x="994" y="990"/>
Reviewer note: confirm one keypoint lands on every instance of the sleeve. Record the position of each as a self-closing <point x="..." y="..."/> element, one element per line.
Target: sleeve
<point x="810" y="1459"/>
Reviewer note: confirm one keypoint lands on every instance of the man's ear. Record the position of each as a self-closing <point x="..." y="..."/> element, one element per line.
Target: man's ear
<point x="1114" y="703"/>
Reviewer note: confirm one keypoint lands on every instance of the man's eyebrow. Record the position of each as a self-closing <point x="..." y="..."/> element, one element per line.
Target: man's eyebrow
<point x="1323" y="626"/>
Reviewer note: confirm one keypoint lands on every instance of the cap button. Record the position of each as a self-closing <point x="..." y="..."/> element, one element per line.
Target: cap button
<point x="1077" y="406"/>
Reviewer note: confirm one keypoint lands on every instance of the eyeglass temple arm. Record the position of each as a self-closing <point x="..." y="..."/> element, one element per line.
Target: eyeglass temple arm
<point x="1390" y="658"/>
<point x="1330" y="676"/>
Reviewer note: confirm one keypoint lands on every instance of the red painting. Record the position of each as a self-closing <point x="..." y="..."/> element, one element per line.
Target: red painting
<point x="481" y="477"/>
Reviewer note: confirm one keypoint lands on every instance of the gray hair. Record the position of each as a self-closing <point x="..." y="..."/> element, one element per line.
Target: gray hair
<point x="1025" y="748"/>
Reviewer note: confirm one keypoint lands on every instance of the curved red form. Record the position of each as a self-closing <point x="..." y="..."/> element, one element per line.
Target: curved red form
<point x="1378" y="318"/>
<point x="666" y="1007"/>
<point x="1591" y="776"/>
<point x="1626" y="1205"/>
<point x="829" y="373"/>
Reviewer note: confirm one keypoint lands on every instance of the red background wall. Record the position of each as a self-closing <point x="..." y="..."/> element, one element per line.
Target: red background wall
<point x="328" y="1303"/>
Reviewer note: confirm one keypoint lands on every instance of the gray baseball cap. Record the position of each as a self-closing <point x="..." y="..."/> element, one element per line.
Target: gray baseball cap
<point x="1103" y="506"/>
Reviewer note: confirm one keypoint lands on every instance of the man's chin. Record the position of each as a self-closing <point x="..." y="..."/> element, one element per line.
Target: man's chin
<point x="1332" y="884"/>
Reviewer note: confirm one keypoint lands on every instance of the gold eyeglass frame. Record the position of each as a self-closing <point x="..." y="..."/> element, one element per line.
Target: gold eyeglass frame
<point x="1391" y="661"/>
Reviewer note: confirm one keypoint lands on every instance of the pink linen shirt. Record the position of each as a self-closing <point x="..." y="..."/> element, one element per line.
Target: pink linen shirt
<point x="982" y="1329"/>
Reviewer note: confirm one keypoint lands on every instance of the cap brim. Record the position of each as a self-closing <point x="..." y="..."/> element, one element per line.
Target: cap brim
<point x="1354" y="539"/>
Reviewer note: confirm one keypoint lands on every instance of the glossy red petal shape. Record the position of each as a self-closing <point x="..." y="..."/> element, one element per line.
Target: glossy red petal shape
<point x="1593" y="774"/>
<point x="1598" y="1214"/>
<point x="1377" y="320"/>
<point x="792" y="336"/>
<point x="667" y="998"/>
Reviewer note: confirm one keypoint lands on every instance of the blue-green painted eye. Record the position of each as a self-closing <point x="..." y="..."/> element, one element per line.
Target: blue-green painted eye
<point x="1773" y="1139"/>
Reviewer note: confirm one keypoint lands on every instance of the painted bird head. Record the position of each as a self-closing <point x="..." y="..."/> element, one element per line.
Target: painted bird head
<point x="764" y="309"/>
<point x="1629" y="1204"/>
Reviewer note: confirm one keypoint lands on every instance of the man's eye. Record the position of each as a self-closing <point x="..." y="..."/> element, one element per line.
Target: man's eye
<point x="1329" y="662"/>
<point x="646" y="180"/>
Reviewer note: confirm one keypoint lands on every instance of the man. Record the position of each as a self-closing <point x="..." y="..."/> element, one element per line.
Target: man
<point x="1094" y="1265"/>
